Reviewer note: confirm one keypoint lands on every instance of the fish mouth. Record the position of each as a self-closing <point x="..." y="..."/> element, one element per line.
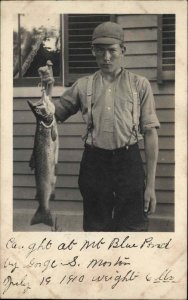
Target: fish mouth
<point x="32" y="106"/>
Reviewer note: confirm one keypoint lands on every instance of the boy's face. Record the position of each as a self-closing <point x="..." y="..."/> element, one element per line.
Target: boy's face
<point x="109" y="57"/>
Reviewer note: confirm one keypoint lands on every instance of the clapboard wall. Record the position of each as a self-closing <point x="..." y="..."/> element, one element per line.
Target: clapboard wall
<point x="141" y="58"/>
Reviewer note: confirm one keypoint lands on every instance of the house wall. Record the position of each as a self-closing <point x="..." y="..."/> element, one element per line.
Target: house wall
<point x="141" y="58"/>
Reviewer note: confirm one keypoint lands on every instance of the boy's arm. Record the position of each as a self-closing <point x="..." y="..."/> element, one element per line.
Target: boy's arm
<point x="151" y="154"/>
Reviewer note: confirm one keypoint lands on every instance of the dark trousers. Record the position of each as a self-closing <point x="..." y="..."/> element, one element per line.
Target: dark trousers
<point x="112" y="186"/>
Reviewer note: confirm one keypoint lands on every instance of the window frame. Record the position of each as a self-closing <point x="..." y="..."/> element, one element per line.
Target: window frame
<point x="162" y="75"/>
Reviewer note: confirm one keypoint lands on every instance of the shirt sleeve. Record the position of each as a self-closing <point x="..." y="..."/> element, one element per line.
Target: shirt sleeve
<point x="68" y="104"/>
<point x="148" y="117"/>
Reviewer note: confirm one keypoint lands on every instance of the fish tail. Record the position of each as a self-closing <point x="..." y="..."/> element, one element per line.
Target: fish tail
<point x="42" y="215"/>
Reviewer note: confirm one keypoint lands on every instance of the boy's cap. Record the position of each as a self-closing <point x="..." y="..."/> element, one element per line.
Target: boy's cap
<point x="108" y="33"/>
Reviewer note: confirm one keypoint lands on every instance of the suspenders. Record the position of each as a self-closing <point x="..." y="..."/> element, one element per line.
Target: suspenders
<point x="132" y="85"/>
<point x="135" y="99"/>
<point x="89" y="107"/>
<point x="89" y="102"/>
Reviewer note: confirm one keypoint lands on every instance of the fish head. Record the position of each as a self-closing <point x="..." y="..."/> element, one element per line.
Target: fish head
<point x="41" y="111"/>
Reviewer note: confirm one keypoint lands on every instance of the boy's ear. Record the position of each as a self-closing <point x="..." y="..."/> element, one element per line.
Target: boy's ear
<point x="123" y="47"/>
<point x="124" y="50"/>
<point x="92" y="50"/>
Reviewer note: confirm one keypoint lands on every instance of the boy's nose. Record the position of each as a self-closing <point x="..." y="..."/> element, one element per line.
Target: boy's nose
<point x="107" y="55"/>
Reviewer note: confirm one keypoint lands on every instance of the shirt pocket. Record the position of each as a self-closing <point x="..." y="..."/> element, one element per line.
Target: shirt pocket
<point x="126" y="104"/>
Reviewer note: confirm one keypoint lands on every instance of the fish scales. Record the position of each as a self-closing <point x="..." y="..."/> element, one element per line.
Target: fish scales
<point x="44" y="161"/>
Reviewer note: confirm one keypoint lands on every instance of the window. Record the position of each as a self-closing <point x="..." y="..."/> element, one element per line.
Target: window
<point x="166" y="47"/>
<point x="36" y="41"/>
<point x="79" y="60"/>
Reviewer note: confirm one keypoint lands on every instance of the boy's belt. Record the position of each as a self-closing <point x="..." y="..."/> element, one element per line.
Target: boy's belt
<point x="112" y="152"/>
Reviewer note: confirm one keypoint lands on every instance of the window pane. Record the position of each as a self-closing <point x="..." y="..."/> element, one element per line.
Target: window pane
<point x="39" y="38"/>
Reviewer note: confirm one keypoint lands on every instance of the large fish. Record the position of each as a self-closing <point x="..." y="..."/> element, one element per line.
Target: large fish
<point x="44" y="158"/>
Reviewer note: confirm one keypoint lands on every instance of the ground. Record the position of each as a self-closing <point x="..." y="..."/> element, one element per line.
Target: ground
<point x="68" y="216"/>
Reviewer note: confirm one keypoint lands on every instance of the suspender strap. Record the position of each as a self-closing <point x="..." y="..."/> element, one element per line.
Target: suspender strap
<point x="89" y="99"/>
<point x="135" y="100"/>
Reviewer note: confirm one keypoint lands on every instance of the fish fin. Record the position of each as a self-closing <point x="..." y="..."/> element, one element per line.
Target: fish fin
<point x="53" y="133"/>
<point x="42" y="216"/>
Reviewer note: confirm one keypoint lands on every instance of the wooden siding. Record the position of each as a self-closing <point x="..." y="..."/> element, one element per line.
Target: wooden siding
<point x="141" y="58"/>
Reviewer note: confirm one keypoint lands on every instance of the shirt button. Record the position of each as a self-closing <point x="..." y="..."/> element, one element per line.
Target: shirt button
<point x="109" y="90"/>
<point x="109" y="108"/>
